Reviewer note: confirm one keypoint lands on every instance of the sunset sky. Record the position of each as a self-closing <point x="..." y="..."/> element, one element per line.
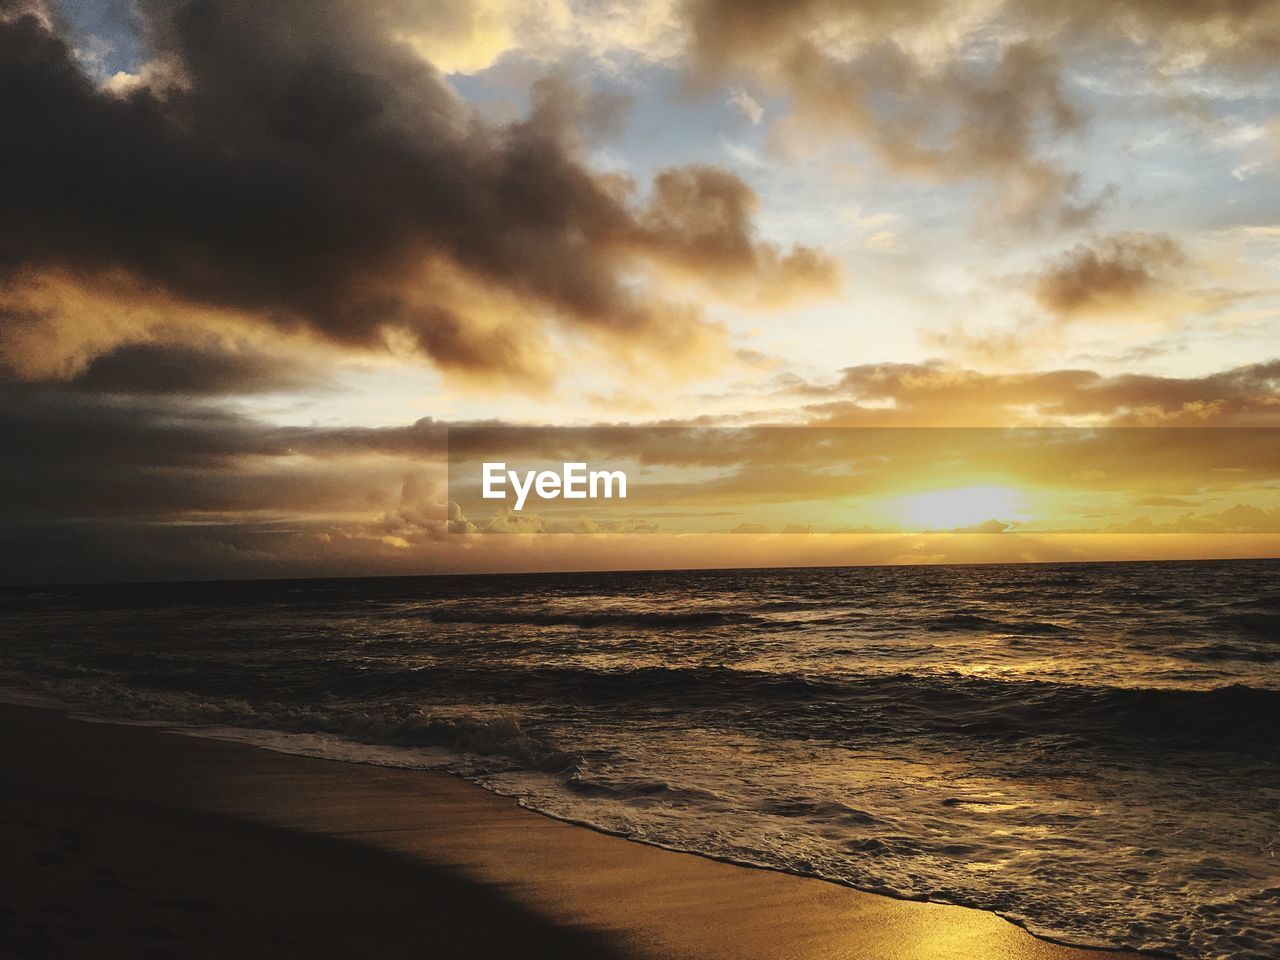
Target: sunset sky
<point x="256" y="259"/>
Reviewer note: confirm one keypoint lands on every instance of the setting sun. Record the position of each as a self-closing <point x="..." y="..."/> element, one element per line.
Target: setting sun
<point x="961" y="507"/>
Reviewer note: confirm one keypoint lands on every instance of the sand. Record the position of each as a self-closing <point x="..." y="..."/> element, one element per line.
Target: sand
<point x="125" y="841"/>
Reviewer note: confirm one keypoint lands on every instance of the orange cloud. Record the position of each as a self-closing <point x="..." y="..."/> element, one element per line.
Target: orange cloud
<point x="905" y="394"/>
<point x="1132" y="274"/>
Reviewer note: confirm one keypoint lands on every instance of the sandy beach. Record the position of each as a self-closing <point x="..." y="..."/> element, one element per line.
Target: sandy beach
<point x="130" y="842"/>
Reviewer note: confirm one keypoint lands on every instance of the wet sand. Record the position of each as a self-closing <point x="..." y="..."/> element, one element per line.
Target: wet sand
<point x="132" y="842"/>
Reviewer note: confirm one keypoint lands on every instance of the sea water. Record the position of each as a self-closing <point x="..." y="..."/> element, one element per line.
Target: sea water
<point x="1091" y="750"/>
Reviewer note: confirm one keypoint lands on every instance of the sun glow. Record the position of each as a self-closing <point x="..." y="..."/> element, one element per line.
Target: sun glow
<point x="962" y="508"/>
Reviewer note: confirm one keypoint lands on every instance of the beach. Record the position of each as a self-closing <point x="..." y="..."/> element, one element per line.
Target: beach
<point x="695" y="479"/>
<point x="132" y="841"/>
<point x="1098" y="774"/>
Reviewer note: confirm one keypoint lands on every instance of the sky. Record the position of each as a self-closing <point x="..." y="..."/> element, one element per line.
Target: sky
<point x="257" y="260"/>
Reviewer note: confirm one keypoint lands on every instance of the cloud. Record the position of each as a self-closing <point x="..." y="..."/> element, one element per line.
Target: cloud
<point x="507" y="522"/>
<point x="1182" y="36"/>
<point x="964" y="121"/>
<point x="885" y="241"/>
<point x="1125" y="278"/>
<point x="1165" y="502"/>
<point x="467" y="36"/>
<point x="990" y="348"/>
<point x="309" y="173"/>
<point x="154" y="368"/>
<point x="1119" y="274"/>
<point x="1240" y="518"/>
<point x="931" y="394"/>
<point x="951" y="92"/>
<point x="699" y="217"/>
<point x="458" y="521"/>
<point x="165" y="484"/>
<point x="746" y="105"/>
<point x="930" y="108"/>
<point x="71" y="426"/>
<point x="987" y="526"/>
<point x="745" y="156"/>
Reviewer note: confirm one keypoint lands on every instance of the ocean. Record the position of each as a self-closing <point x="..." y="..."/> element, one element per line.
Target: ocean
<point x="1091" y="750"/>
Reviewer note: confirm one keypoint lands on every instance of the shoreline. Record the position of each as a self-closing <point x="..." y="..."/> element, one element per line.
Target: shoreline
<point x="568" y="889"/>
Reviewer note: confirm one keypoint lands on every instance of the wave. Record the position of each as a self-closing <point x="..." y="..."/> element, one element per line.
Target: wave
<point x="1230" y="652"/>
<point x="963" y="622"/>
<point x="499" y="736"/>
<point x="592" y="619"/>
<point x="849" y="710"/>
<point x="1265" y="625"/>
<point x="902" y="705"/>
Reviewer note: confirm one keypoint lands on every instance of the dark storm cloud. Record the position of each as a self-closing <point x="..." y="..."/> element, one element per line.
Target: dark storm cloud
<point x="301" y="168"/>
<point x="72" y="455"/>
<point x="55" y="423"/>
<point x="158" y="368"/>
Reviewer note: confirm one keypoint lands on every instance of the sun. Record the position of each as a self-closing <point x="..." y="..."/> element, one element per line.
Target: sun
<point x="961" y="507"/>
